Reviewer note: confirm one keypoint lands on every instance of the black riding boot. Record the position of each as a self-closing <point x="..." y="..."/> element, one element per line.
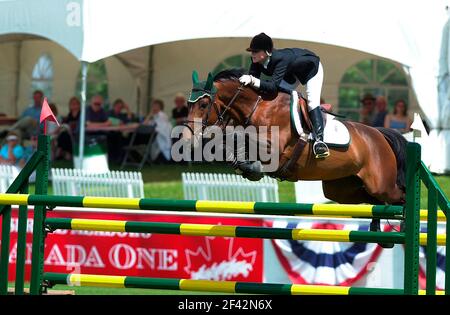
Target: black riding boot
<point x="320" y="149"/>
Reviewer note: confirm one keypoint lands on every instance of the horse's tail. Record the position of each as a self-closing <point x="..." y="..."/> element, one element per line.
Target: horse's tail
<point x="398" y="145"/>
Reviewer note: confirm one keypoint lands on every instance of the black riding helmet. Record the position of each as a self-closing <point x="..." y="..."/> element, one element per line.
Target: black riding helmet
<point x="261" y="42"/>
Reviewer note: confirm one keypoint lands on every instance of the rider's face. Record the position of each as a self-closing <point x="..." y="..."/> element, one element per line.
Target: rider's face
<point x="259" y="56"/>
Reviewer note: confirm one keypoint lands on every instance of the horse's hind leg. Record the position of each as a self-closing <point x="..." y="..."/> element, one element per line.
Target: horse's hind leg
<point x="380" y="177"/>
<point x="351" y="190"/>
<point x="348" y="190"/>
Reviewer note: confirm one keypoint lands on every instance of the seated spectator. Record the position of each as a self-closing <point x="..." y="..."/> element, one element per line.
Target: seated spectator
<point x="95" y="114"/>
<point x="53" y="130"/>
<point x="73" y="118"/>
<point x="28" y="123"/>
<point x="11" y="152"/>
<point x="120" y="112"/>
<point x="162" y="146"/>
<point x="34" y="110"/>
<point x="52" y="127"/>
<point x="399" y="120"/>
<point x="367" y="110"/>
<point x="70" y="126"/>
<point x="381" y="105"/>
<point x="28" y="151"/>
<point x="180" y="112"/>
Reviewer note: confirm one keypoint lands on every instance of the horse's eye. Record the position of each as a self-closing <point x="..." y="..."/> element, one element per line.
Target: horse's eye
<point x="203" y="105"/>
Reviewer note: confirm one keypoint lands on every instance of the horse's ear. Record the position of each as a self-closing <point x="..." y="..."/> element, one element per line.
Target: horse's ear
<point x="195" y="77"/>
<point x="209" y="82"/>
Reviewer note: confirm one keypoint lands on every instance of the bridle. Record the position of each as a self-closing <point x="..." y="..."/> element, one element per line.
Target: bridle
<point x="222" y="121"/>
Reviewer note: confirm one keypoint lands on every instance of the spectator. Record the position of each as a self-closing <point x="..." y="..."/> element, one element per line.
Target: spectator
<point x="117" y="112"/>
<point x="161" y="147"/>
<point x="53" y="128"/>
<point x="34" y="110"/>
<point x="11" y="152"/>
<point x="367" y="110"/>
<point x="73" y="118"/>
<point x="28" y="123"/>
<point x="95" y="114"/>
<point x="180" y="112"/>
<point x="399" y="120"/>
<point x="68" y="129"/>
<point x="381" y="105"/>
<point x="28" y="151"/>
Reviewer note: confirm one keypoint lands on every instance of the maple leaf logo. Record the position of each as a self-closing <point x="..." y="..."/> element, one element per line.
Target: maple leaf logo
<point x="200" y="263"/>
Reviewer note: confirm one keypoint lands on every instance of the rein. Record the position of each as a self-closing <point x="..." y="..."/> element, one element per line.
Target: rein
<point x="221" y="115"/>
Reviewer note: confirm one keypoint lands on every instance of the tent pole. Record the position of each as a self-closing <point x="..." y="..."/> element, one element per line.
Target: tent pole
<point x="84" y="70"/>
<point x="18" y="70"/>
<point x="149" y="80"/>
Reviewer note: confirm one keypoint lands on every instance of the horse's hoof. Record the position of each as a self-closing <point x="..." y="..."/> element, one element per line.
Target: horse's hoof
<point x="402" y="226"/>
<point x="386" y="245"/>
<point x="254" y="177"/>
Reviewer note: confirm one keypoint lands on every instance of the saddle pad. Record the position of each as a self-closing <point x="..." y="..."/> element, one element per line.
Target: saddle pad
<point x="335" y="133"/>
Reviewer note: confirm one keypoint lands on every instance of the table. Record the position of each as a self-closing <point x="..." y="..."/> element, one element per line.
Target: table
<point x="5" y="120"/>
<point x="120" y="128"/>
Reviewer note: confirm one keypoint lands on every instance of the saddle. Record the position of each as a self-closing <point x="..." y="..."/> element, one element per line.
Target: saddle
<point x="335" y="133"/>
<point x="302" y="107"/>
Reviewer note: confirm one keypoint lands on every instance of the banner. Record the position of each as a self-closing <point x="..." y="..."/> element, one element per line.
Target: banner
<point x="324" y="263"/>
<point x="145" y="254"/>
<point x="440" y="262"/>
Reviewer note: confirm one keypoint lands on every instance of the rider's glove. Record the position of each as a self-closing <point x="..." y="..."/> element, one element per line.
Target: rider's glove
<point x="247" y="79"/>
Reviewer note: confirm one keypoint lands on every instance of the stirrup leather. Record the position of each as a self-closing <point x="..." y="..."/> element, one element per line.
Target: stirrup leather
<point x="320" y="155"/>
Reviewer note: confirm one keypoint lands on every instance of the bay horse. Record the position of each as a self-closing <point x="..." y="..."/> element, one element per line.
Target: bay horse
<point x="371" y="170"/>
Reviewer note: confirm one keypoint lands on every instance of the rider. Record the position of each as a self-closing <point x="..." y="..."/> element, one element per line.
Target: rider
<point x="288" y="67"/>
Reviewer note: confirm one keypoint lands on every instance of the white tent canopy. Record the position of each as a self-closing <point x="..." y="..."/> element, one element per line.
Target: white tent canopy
<point x="406" y="32"/>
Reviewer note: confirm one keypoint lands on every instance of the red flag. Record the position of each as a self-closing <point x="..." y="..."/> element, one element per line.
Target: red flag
<point x="47" y="115"/>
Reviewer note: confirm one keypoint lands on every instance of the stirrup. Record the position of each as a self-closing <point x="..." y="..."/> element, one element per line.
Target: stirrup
<point x="321" y="155"/>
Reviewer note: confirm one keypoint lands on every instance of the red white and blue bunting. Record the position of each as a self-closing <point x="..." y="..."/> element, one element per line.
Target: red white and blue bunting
<point x="325" y="263"/>
<point x="440" y="262"/>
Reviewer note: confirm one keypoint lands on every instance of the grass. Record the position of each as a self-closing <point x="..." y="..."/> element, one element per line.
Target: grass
<point x="164" y="180"/>
<point x="444" y="183"/>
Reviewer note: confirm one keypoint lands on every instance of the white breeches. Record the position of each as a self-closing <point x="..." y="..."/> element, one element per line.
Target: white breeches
<point x="314" y="89"/>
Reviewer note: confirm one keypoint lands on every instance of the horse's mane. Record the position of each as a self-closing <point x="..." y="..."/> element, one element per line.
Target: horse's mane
<point x="229" y="74"/>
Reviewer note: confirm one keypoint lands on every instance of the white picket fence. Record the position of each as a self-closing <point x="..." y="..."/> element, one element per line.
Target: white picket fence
<point x="7" y="175"/>
<point x="228" y="187"/>
<point x="76" y="182"/>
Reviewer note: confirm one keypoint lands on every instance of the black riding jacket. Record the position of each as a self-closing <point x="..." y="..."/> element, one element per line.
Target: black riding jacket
<point x="286" y="64"/>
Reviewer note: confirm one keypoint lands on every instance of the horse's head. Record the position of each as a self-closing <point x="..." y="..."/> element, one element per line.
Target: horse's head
<point x="199" y="104"/>
<point x="215" y="102"/>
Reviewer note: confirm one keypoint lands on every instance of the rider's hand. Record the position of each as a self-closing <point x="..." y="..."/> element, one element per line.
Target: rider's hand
<point x="246" y="79"/>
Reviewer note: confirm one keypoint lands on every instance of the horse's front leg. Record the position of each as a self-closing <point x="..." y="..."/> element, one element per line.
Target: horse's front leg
<point x="239" y="146"/>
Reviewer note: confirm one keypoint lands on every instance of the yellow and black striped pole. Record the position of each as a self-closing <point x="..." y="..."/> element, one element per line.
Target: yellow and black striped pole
<point x="209" y="285"/>
<point x="264" y="208"/>
<point x="224" y="230"/>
